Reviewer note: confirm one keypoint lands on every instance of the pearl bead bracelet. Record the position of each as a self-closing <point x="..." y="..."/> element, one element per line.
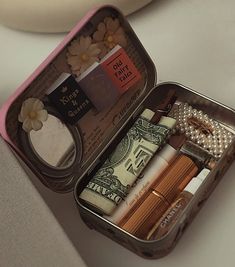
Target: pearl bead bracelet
<point x="202" y="130"/>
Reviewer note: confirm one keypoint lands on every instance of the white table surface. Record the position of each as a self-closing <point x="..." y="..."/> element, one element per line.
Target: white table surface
<point x="191" y="42"/>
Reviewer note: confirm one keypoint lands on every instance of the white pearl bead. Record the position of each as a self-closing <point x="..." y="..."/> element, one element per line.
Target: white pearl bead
<point x="209" y="146"/>
<point x="221" y="151"/>
<point x="203" y="141"/>
<point x="224" y="136"/>
<point x="214" y="146"/>
<point x="192" y="137"/>
<point x="201" y="118"/>
<point x="187" y="134"/>
<point x="202" y="136"/>
<point x="220" y="146"/>
<point x="198" y="141"/>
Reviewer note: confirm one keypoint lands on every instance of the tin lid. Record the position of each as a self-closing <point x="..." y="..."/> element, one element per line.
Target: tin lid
<point x="66" y="114"/>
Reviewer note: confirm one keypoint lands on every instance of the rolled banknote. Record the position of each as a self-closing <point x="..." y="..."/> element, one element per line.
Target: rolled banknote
<point x="112" y="182"/>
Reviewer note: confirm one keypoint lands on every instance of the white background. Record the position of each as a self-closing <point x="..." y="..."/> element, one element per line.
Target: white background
<point x="191" y="42"/>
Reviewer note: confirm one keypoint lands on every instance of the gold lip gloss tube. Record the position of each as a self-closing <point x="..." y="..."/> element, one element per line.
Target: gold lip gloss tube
<point x="160" y="197"/>
<point x="163" y="226"/>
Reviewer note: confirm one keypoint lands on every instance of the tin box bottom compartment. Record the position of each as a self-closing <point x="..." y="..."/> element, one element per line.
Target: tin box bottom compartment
<point x="151" y="248"/>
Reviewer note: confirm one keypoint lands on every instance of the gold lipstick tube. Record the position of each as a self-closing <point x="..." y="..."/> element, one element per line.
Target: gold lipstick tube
<point x="160" y="196"/>
<point x="170" y="217"/>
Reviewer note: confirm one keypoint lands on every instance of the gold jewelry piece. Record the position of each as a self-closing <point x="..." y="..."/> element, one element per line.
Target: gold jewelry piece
<point x="201" y="129"/>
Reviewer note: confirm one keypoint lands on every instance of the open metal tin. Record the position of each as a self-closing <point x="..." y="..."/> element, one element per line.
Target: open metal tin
<point x="93" y="137"/>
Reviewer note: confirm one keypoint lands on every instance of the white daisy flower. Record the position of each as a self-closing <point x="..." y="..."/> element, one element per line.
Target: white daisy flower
<point x="32" y="114"/>
<point x="109" y="33"/>
<point x="82" y="53"/>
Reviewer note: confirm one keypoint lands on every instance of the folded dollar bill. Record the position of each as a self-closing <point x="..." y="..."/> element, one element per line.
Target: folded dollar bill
<point x="112" y="182"/>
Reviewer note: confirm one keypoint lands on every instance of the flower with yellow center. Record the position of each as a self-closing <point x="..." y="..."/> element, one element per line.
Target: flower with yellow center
<point x="32" y="114"/>
<point x="82" y="53"/>
<point x="109" y="34"/>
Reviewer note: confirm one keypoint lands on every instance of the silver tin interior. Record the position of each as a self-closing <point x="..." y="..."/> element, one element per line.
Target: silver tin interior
<point x="160" y="248"/>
